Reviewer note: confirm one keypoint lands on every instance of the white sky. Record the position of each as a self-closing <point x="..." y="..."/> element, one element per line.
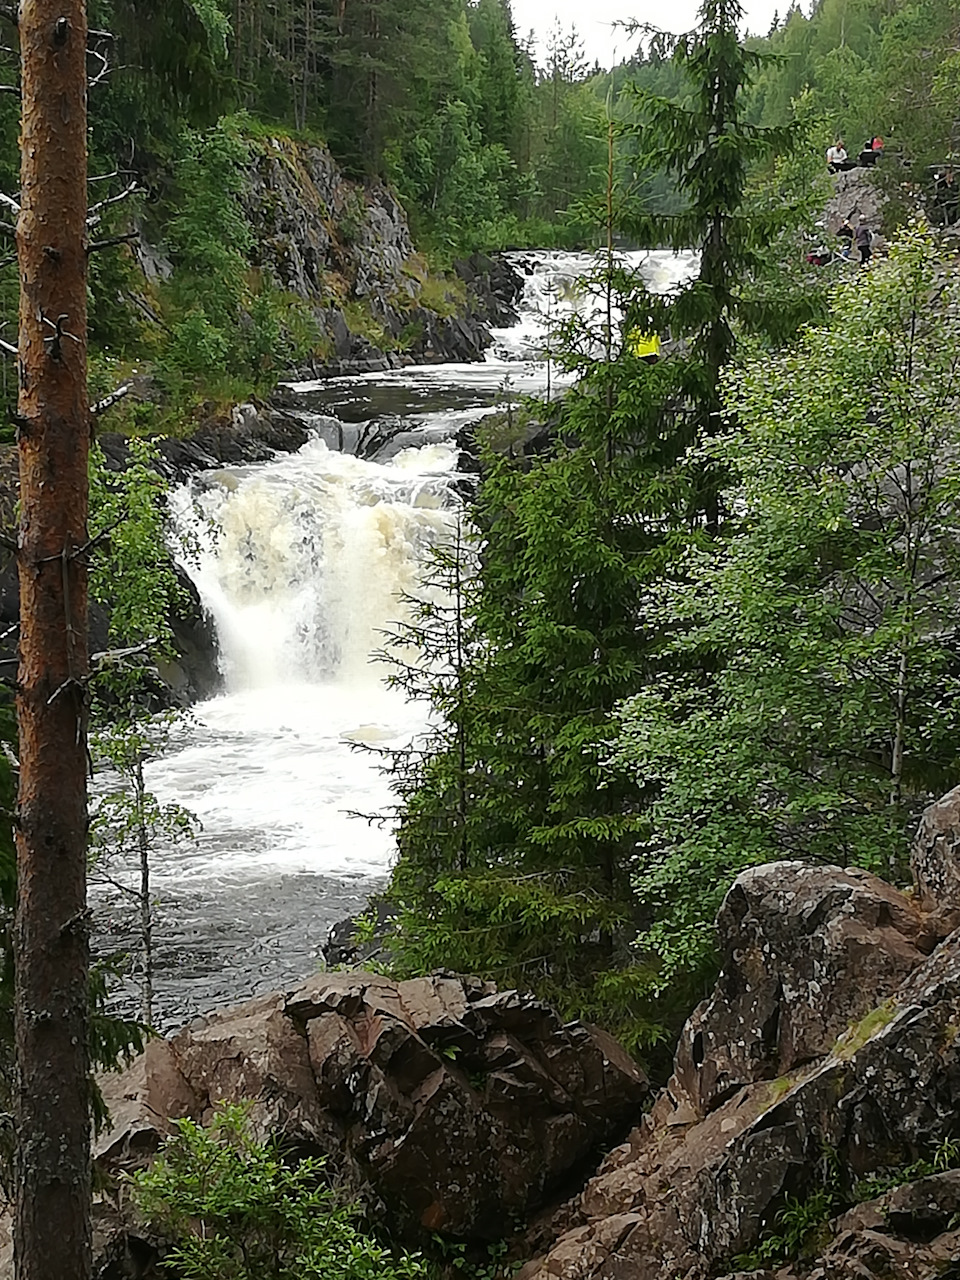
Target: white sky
<point x="594" y="20"/>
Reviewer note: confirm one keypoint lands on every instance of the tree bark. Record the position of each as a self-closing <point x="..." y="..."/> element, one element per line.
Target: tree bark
<point x="52" y="1225"/>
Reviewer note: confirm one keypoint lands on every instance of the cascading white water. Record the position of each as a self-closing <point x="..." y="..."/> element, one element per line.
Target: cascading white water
<point x="303" y="562"/>
<point x="554" y="289"/>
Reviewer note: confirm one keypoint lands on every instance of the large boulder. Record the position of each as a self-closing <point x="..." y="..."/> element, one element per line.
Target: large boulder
<point x="831" y="1029"/>
<point x="935" y="860"/>
<point x="455" y="1106"/>
<point x="807" y="951"/>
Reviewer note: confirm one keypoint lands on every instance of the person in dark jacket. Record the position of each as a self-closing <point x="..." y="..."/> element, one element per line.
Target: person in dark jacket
<point x="864" y="240"/>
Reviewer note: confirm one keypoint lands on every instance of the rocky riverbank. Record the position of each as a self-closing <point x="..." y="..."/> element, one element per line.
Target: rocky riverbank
<point x="822" y="1073"/>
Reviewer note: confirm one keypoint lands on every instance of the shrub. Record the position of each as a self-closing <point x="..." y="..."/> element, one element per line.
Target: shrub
<point x="238" y="1210"/>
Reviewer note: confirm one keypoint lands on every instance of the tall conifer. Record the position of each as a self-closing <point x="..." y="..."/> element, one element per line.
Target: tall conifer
<point x="531" y="884"/>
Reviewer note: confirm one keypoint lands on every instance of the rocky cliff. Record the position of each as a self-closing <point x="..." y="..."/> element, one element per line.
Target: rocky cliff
<point x="824" y="1068"/>
<point x="344" y="248"/>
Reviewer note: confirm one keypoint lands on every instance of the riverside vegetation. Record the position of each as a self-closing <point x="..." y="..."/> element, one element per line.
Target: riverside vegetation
<point x="711" y="627"/>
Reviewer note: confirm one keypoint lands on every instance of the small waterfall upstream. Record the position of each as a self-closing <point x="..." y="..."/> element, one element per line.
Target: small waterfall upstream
<point x="303" y="563"/>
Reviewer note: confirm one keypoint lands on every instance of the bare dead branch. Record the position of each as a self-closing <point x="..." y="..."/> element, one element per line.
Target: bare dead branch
<point x="110" y="657"/>
<point x="106" y="177"/>
<point x="101" y="406"/>
<point x="104" y="67"/>
<point x="8" y="348"/>
<point x="9" y="13"/>
<point x="9" y="202"/>
<point x="129" y="238"/>
<point x="95" y="211"/>
<point x="10" y="88"/>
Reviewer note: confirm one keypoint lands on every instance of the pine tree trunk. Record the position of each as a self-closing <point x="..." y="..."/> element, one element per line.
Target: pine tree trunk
<point x="52" y="1226"/>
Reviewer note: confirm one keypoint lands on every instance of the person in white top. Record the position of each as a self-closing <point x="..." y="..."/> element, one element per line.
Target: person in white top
<point x="836" y="156"/>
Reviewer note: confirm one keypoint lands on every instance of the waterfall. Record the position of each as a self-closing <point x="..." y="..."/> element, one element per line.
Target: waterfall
<point x="304" y="562"/>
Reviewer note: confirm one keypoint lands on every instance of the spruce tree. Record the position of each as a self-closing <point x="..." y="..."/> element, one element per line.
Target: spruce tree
<point x="537" y="891"/>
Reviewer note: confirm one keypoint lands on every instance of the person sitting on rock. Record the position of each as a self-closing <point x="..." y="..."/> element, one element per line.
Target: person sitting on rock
<point x="836" y="157"/>
<point x="845" y="236"/>
<point x="867" y="154"/>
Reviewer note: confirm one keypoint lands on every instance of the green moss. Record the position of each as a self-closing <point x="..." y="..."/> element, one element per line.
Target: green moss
<point x="446" y="295"/>
<point x="857" y="1035"/>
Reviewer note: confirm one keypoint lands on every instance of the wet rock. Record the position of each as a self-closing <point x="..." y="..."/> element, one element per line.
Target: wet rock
<point x="495" y="285"/>
<point x="456" y="1106"/>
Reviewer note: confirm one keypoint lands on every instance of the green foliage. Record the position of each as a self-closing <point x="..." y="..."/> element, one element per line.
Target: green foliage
<point x="807" y="704"/>
<point x="798" y="1232"/>
<point x="517" y="834"/>
<point x="222" y="317"/>
<point x="945" y="1156"/>
<point x="867" y="67"/>
<point x="458" y="1261"/>
<point x="237" y="1210"/>
<point x="132" y="573"/>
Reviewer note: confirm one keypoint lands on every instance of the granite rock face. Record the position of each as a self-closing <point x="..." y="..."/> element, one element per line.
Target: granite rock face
<point x="912" y="1232"/>
<point x="456" y="1107"/>
<point x="328" y="240"/>
<point x="935" y="860"/>
<point x="808" y="951"/>
<point x="834" y="1028"/>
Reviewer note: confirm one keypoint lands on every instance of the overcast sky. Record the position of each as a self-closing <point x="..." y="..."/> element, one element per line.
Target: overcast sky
<point x="595" y="19"/>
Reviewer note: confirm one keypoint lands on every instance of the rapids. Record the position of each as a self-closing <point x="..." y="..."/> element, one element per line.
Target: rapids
<point x="303" y="563"/>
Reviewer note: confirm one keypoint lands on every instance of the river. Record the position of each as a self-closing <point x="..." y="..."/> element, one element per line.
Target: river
<point x="303" y="562"/>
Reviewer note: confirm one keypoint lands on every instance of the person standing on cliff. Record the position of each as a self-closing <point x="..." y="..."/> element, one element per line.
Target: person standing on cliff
<point x="864" y="240"/>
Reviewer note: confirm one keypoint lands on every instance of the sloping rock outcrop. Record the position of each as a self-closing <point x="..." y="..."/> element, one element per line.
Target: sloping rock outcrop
<point x="344" y="248"/>
<point x="834" y="1028"/>
<point x="457" y="1107"/>
<point x="857" y="196"/>
<point x="912" y="1232"/>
